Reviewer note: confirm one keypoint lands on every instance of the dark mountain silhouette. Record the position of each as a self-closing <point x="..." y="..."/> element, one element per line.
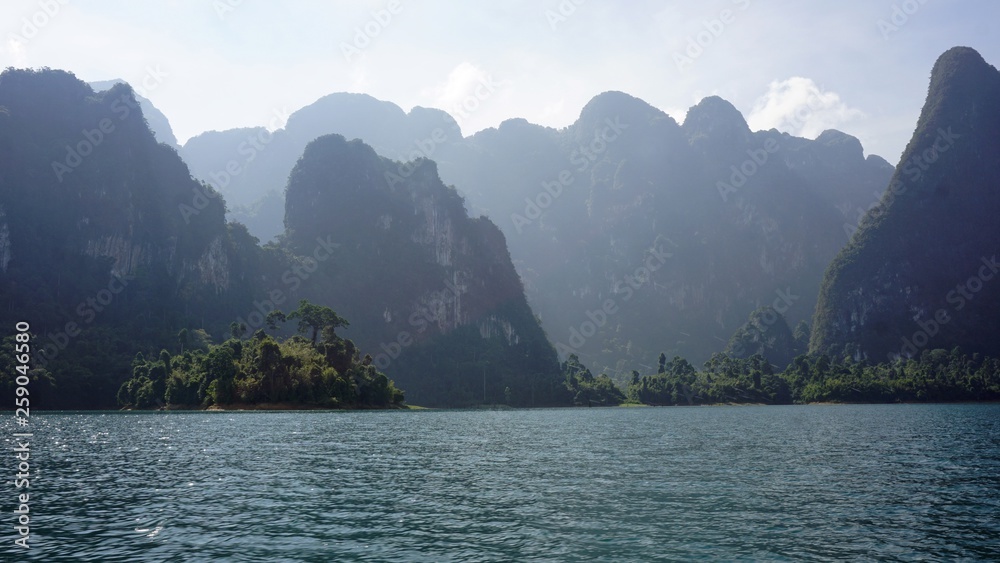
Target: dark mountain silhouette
<point x="432" y="292"/>
<point x="919" y="273"/>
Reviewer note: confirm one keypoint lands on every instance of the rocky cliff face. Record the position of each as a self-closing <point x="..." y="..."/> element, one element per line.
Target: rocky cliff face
<point x="681" y="230"/>
<point x="430" y="291"/>
<point x="919" y="272"/>
<point x="729" y="219"/>
<point x="90" y="196"/>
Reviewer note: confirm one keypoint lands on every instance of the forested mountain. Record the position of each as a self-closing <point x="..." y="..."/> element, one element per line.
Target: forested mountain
<point x="114" y="254"/>
<point x="96" y="249"/>
<point x="432" y="291"/>
<point x="920" y="272"/>
<point x="632" y="236"/>
<point x="726" y="220"/>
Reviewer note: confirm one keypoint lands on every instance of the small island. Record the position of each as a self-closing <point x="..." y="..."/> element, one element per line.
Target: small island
<point x="321" y="371"/>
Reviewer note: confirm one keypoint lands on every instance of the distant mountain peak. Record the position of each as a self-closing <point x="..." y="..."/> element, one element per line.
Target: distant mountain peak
<point x="714" y="115"/>
<point x="613" y="98"/>
<point x="354" y="97"/>
<point x="959" y="60"/>
<point x="847" y="146"/>
<point x="614" y="104"/>
<point x="431" y="118"/>
<point x="344" y="106"/>
<point x="958" y="80"/>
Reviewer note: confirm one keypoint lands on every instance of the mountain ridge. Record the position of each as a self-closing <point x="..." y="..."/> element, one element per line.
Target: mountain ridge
<point x="564" y="195"/>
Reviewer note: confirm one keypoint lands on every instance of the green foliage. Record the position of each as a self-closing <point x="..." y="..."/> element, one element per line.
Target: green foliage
<point x="766" y="333"/>
<point x="588" y="390"/>
<point x="262" y="370"/>
<point x="314" y="318"/>
<point x="937" y="376"/>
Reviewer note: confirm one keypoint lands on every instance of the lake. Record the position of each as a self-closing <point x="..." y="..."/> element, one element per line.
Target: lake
<point x="888" y="482"/>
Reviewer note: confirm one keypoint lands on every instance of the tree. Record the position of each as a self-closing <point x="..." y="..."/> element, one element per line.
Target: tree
<point x="275" y="317"/>
<point x="663" y="363"/>
<point x="183" y="337"/>
<point x="317" y="318"/>
<point x="237" y="329"/>
<point x="165" y="359"/>
<point x="221" y="366"/>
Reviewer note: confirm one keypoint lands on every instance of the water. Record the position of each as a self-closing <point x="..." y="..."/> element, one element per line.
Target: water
<point x="891" y="482"/>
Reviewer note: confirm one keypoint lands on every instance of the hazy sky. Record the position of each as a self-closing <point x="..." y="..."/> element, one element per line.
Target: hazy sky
<point x="861" y="66"/>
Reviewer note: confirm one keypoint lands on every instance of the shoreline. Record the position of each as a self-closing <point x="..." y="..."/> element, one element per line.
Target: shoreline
<point x="292" y="407"/>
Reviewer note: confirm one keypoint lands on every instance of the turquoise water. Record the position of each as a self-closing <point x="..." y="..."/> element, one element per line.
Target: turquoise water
<point x="890" y="482"/>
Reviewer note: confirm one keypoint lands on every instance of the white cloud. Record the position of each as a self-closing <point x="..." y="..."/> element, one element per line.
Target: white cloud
<point x="473" y="96"/>
<point x="799" y="107"/>
<point x="15" y="49"/>
<point x="460" y="84"/>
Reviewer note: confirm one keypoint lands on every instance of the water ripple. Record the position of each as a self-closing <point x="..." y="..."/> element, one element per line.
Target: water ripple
<point x="894" y="483"/>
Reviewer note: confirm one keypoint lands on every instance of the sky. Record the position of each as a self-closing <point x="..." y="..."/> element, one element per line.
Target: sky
<point x="860" y="66"/>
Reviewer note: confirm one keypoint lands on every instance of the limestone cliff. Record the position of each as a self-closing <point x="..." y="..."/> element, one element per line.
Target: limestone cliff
<point x="88" y="196"/>
<point x="431" y="292"/>
<point x="920" y="271"/>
